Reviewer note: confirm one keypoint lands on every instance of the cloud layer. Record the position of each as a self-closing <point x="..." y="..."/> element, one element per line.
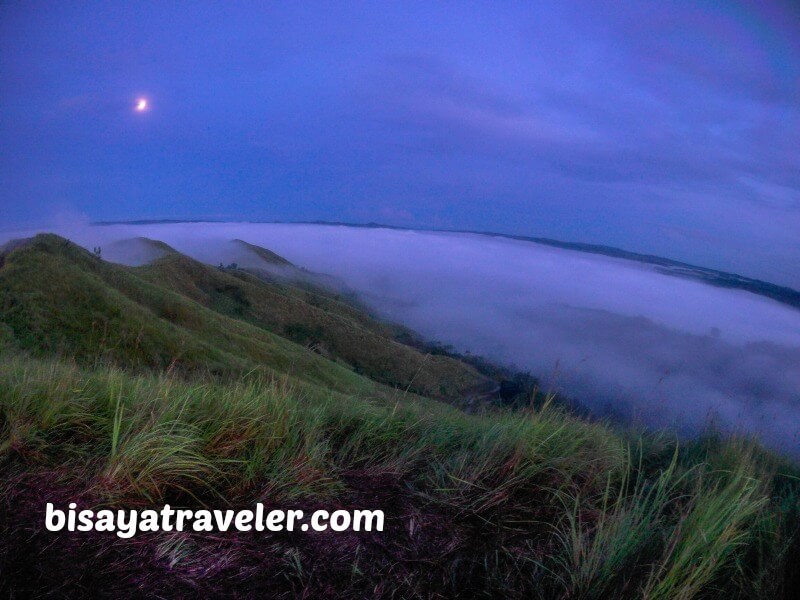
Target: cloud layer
<point x="617" y="335"/>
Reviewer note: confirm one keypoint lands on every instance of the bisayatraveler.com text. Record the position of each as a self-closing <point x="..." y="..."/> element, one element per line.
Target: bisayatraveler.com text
<point x="126" y="523"/>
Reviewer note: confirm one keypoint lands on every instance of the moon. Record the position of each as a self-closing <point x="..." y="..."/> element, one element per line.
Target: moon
<point x="141" y="104"/>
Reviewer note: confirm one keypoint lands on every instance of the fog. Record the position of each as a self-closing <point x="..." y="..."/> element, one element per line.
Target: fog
<point x="616" y="335"/>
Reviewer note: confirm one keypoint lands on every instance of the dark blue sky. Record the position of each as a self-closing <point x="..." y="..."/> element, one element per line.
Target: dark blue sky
<point x="666" y="127"/>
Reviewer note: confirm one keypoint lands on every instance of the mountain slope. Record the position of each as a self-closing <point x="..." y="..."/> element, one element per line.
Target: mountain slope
<point x="179" y="313"/>
<point x="327" y="327"/>
<point x="57" y="298"/>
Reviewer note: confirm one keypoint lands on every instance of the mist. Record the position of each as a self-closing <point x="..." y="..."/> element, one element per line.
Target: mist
<point x="618" y="336"/>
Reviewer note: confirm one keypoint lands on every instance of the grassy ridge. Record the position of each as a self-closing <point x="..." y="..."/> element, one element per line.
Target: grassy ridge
<point x="180" y="313"/>
<point x="327" y="326"/>
<point x="533" y="503"/>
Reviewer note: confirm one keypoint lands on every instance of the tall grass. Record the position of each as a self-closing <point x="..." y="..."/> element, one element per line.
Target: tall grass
<point x="565" y="508"/>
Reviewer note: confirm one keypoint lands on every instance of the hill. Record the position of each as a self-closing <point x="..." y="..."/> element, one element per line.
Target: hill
<point x="177" y="382"/>
<point x="176" y="312"/>
<point x="136" y="251"/>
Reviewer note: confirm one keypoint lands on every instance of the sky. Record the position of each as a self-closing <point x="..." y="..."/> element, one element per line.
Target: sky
<point x="664" y="127"/>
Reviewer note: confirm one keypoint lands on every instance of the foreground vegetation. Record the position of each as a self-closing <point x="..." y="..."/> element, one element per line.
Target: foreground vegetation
<point x="534" y="503"/>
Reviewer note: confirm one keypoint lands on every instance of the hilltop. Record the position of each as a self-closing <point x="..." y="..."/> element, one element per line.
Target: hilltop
<point x="136" y="251"/>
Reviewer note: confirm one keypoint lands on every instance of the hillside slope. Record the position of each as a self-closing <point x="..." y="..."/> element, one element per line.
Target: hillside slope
<point x="178" y="313"/>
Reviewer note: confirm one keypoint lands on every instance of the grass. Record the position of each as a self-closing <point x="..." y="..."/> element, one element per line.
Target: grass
<point x="537" y="503"/>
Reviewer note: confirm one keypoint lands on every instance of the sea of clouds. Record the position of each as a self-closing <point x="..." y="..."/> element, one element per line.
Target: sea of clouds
<point x="617" y="335"/>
